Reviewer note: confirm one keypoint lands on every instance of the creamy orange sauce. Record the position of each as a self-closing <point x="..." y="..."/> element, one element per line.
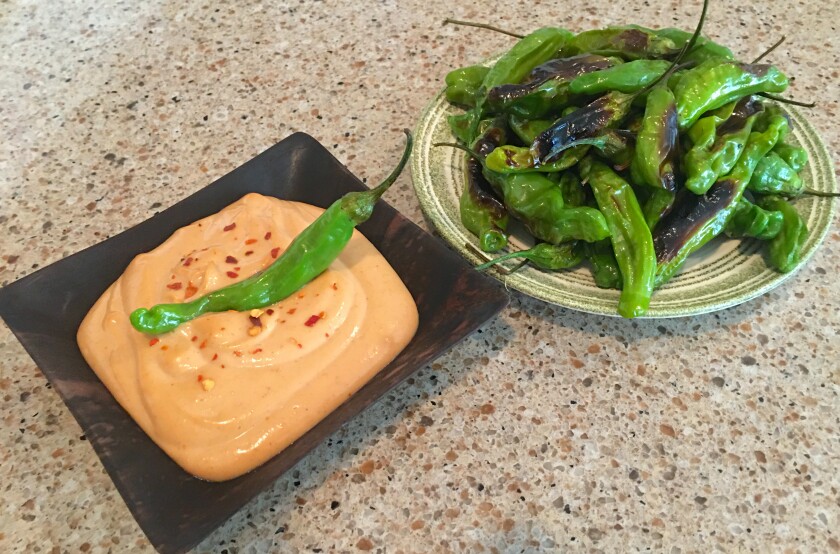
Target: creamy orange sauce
<point x="227" y="391"/>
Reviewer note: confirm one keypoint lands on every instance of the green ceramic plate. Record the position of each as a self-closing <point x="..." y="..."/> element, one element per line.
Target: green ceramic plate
<point x="722" y="274"/>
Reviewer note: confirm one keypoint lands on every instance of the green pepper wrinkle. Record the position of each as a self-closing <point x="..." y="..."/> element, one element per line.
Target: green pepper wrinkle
<point x="308" y="255"/>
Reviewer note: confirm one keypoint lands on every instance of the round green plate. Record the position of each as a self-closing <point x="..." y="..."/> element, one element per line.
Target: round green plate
<point x="722" y="274"/>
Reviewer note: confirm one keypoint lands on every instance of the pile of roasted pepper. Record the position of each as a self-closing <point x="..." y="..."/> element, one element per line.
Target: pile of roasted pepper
<point x="627" y="147"/>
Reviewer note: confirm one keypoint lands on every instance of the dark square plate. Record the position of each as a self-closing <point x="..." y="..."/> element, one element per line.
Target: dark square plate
<point x="173" y="508"/>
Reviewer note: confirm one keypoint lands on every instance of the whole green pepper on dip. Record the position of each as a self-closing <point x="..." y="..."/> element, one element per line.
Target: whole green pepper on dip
<point x="309" y="254"/>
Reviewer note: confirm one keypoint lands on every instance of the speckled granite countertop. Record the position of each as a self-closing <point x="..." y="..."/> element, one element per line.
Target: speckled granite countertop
<point x="547" y="429"/>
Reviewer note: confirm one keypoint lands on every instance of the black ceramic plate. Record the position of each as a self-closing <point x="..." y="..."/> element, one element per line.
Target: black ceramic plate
<point x="173" y="508"/>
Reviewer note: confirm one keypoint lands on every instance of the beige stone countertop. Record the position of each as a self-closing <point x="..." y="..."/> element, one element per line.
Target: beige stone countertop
<point x="547" y="430"/>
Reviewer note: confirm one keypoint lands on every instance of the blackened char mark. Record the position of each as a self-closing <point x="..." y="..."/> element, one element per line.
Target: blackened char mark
<point x="633" y="40"/>
<point x="667" y="146"/>
<point x="583" y="123"/>
<point x="689" y="214"/>
<point x="561" y="69"/>
<point x="744" y="109"/>
<point x="479" y="190"/>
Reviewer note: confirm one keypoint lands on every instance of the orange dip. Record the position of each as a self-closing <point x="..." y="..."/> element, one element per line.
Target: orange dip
<point x="227" y="391"/>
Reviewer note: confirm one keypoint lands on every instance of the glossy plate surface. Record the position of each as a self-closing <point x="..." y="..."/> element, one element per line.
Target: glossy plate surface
<point x="173" y="508"/>
<point x="724" y="273"/>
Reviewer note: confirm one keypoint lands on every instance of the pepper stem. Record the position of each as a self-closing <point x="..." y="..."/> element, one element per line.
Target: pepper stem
<point x="784" y="100"/>
<point x="481" y="26"/>
<point x="769" y="50"/>
<point x="469" y="151"/>
<point x="380" y="189"/>
<point x="813" y="192"/>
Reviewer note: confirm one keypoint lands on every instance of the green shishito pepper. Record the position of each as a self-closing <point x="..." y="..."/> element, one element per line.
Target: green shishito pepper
<point x="462" y="84"/>
<point x="627" y="77"/>
<point x="696" y="219"/>
<point x="605" y="268"/>
<point x="774" y="176"/>
<point x="703" y="49"/>
<point x="794" y="156"/>
<point x="750" y="220"/>
<point x="630" y="235"/>
<point x="630" y="42"/>
<point x="516" y="64"/>
<point x="656" y="144"/>
<point x="308" y="255"/>
<point x="786" y="247"/>
<point x="717" y="82"/>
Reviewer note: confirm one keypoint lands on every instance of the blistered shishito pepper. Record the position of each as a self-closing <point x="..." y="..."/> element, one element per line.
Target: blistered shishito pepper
<point x="717" y="82"/>
<point x="703" y="49"/>
<point x="574" y="192"/>
<point x="630" y="235"/>
<point x="516" y="159"/>
<point x="750" y="220"/>
<point x="774" y="176"/>
<point x="630" y="43"/>
<point x="307" y="256"/>
<point x="538" y="203"/>
<point x="514" y="66"/>
<point x="718" y="140"/>
<point x="628" y="77"/>
<point x="547" y="89"/>
<point x="552" y="257"/>
<point x="462" y="85"/>
<point x="656" y="144"/>
<point x="786" y="247"/>
<point x="696" y="219"/>
<point x="794" y="156"/>
<point x="481" y="212"/>
<point x="605" y="269"/>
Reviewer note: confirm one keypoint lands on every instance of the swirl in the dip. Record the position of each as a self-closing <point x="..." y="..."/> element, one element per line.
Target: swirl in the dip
<point x="227" y="391"/>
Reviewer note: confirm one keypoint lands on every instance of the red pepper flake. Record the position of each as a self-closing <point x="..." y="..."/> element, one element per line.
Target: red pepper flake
<point x="188" y="261"/>
<point x="300" y="345"/>
<point x="215" y="357"/>
<point x="191" y="290"/>
<point x="327" y="335"/>
<point x="291" y="311"/>
<point x="322" y="315"/>
<point x="164" y="347"/>
<point x="268" y="235"/>
<point x="200" y="377"/>
<point x="154" y="342"/>
<point x="230" y="260"/>
<point x="313" y="319"/>
<point x="223" y="365"/>
<point x="335" y="286"/>
<point x="250" y="241"/>
<point x="275" y="252"/>
<point x="255" y="321"/>
<point x="237" y="353"/>
<point x="195" y="338"/>
<point x="301" y="295"/>
<point x="269" y="311"/>
<point x="174" y="286"/>
<point x="249" y="252"/>
<point x="203" y="343"/>
<point x="230" y="227"/>
<point x="232" y="274"/>
<point x="237" y="268"/>
<point x="256" y="351"/>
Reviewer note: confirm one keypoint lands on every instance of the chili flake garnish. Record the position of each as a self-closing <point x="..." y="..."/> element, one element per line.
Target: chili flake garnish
<point x="255" y="321"/>
<point x="230" y="227"/>
<point x="249" y="252"/>
<point x="230" y="260"/>
<point x="237" y="353"/>
<point x="313" y="319"/>
<point x="275" y="252"/>
<point x="291" y="311"/>
<point x="188" y="261"/>
<point x="301" y="295"/>
<point x="174" y="286"/>
<point x="250" y="241"/>
<point x="322" y="315"/>
<point x="164" y="347"/>
<point x="232" y="274"/>
<point x="154" y="342"/>
<point x="335" y="286"/>
<point x="269" y="311"/>
<point x="195" y="338"/>
<point x="203" y="343"/>
<point x="200" y="377"/>
<point x="191" y="290"/>
<point x="268" y="235"/>
<point x="256" y="351"/>
<point x="215" y="357"/>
